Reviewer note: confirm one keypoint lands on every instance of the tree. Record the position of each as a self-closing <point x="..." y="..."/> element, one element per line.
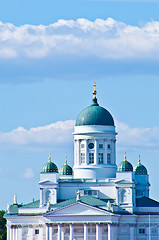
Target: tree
<point x="3" y="229"/>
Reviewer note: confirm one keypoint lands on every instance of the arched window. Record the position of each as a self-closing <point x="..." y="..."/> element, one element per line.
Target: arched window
<point x="48" y="197"/>
<point x="123" y="196"/>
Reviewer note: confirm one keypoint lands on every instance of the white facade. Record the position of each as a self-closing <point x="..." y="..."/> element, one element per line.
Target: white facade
<point x="97" y="202"/>
<point x="94" y="152"/>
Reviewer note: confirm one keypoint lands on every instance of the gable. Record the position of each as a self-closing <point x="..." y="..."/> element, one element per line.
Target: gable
<point x="78" y="208"/>
<point x="123" y="181"/>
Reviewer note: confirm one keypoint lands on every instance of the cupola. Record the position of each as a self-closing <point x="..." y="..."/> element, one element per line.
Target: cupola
<point x="65" y="169"/>
<point x="94" y="114"/>
<point x="125" y="166"/>
<point x="49" y="167"/>
<point x="140" y="169"/>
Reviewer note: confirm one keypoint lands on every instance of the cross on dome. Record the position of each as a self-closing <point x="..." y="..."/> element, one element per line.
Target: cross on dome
<point x="125" y="157"/>
<point x="139" y="162"/>
<point x="94" y="92"/>
<point x="65" y="159"/>
<point x="49" y="157"/>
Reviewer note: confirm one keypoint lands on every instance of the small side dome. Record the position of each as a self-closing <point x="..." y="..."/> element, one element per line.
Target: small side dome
<point x="65" y="169"/>
<point x="140" y="169"/>
<point x="125" y="166"/>
<point x="49" y="167"/>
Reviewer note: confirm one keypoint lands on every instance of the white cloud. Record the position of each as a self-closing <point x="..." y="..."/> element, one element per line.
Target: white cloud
<point x="28" y="174"/>
<point x="52" y="134"/>
<point x="105" y="39"/>
<point x="137" y="137"/>
<point x="59" y="135"/>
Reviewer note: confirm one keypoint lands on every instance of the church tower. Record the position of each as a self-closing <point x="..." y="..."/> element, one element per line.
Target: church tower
<point x="94" y="143"/>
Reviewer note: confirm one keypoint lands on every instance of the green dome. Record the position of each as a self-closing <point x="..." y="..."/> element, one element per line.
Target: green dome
<point x="65" y="169"/>
<point x="94" y="115"/>
<point x="125" y="166"/>
<point x="49" y="167"/>
<point x="140" y="169"/>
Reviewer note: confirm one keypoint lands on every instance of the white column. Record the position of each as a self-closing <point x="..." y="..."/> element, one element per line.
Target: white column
<point x="41" y="232"/>
<point x="19" y="234"/>
<point x="132" y="232"/>
<point x="14" y="232"/>
<point x="41" y="197"/>
<point x="62" y="233"/>
<point x="8" y="232"/>
<point x="86" y="153"/>
<point x="85" y="231"/>
<point x="98" y="233"/>
<point x="79" y="155"/>
<point x="71" y="231"/>
<point x="15" y="229"/>
<point x="50" y="231"/>
<point x="47" y="231"/>
<point x="30" y="232"/>
<point x="59" y="231"/>
<point x="96" y="152"/>
<point x="110" y="232"/>
<point x="11" y="233"/>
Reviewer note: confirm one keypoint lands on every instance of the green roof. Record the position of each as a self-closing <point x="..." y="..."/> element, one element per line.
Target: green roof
<point x="84" y="199"/>
<point x="65" y="169"/>
<point x="146" y="202"/>
<point x="125" y="166"/>
<point x="140" y="169"/>
<point x="34" y="204"/>
<point x="94" y="115"/>
<point x="13" y="209"/>
<point x="49" y="167"/>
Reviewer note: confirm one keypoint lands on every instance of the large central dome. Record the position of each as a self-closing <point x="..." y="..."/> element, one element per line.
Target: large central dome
<point x="94" y="115"/>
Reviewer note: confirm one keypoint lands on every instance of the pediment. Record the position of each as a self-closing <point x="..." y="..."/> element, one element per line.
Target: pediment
<point x="123" y="181"/>
<point x="78" y="208"/>
<point x="46" y="182"/>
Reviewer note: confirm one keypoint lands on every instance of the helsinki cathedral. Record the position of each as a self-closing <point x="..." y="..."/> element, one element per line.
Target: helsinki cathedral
<point x="93" y="200"/>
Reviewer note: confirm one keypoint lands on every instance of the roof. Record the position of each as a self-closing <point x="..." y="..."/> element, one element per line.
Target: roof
<point x="94" y="115"/>
<point x="146" y="202"/>
<point x="34" y="204"/>
<point x="125" y="166"/>
<point x="49" y="167"/>
<point x="84" y="199"/>
<point x="140" y="169"/>
<point x="65" y="169"/>
<point x="13" y="209"/>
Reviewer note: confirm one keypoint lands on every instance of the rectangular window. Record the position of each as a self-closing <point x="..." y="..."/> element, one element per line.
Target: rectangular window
<point x="100" y="145"/>
<point x="55" y="230"/>
<point x="100" y="158"/>
<point x="108" y="158"/>
<point x="82" y="157"/>
<point x="108" y="146"/>
<point x="142" y="230"/>
<point x="91" y="157"/>
<point x="82" y="145"/>
<point x="36" y="231"/>
<point x="90" y="192"/>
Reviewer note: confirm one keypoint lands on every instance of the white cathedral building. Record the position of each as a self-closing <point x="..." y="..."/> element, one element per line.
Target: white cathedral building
<point x="96" y="200"/>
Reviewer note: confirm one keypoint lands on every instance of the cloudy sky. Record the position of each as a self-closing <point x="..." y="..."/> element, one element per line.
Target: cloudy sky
<point x="50" y="54"/>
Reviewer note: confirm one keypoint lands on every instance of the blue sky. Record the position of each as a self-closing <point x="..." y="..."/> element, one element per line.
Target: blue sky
<point x="50" y="55"/>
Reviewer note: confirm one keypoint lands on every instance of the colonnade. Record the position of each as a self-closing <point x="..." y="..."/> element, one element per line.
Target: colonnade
<point x="45" y="231"/>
